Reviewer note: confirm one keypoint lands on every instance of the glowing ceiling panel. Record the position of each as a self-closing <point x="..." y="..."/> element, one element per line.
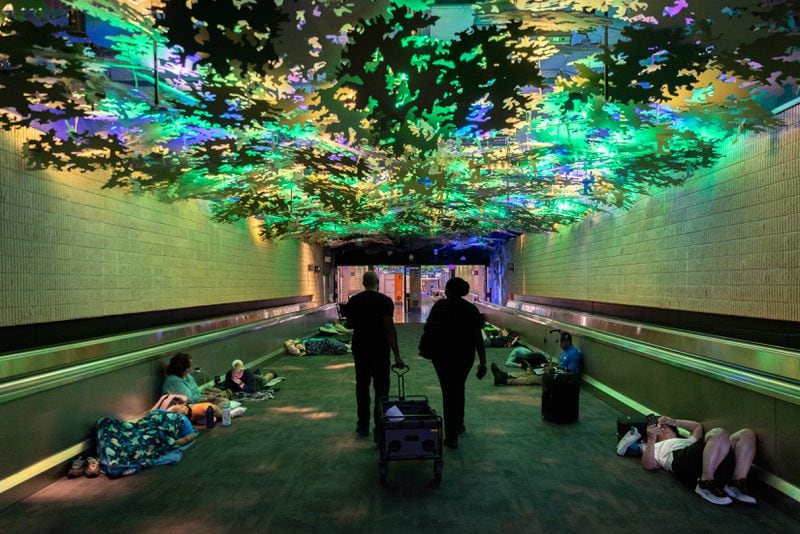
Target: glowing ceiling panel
<point x="338" y="121"/>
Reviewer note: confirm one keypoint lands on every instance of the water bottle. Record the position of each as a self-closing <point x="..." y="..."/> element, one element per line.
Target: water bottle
<point x="210" y="417"/>
<point x="226" y="414"/>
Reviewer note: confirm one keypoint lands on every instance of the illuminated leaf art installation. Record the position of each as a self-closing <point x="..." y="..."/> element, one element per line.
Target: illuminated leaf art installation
<point x="348" y="121"/>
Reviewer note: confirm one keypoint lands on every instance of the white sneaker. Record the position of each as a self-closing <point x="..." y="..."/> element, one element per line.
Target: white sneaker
<point x="236" y="412"/>
<point x="739" y="491"/>
<point x="627" y="440"/>
<point x="711" y="493"/>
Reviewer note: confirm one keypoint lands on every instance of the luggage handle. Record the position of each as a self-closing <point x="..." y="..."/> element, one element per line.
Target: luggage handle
<point x="401" y="379"/>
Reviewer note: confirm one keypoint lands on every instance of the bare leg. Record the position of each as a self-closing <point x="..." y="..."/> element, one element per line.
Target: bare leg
<point x="717" y="447"/>
<point x="743" y="444"/>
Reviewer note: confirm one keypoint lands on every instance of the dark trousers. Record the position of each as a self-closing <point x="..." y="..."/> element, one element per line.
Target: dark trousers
<point x="453" y="375"/>
<point x="371" y="368"/>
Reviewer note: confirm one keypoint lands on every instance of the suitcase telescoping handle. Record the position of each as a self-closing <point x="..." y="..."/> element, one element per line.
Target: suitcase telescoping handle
<point x="401" y="379"/>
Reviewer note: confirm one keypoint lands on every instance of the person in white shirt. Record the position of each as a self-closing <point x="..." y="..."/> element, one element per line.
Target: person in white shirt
<point x="717" y="461"/>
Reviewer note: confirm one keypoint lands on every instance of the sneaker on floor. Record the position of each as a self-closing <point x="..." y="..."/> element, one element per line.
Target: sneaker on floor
<point x="92" y="468"/>
<point x="500" y="378"/>
<point x="237" y="412"/>
<point x="77" y="468"/>
<point x="627" y="440"/>
<point x="738" y="490"/>
<point x="708" y="490"/>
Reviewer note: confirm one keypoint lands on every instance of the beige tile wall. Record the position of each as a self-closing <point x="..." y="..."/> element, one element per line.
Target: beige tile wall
<point x="727" y="242"/>
<point x="69" y="249"/>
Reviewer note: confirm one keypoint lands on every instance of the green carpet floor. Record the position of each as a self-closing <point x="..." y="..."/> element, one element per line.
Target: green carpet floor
<point x="294" y="464"/>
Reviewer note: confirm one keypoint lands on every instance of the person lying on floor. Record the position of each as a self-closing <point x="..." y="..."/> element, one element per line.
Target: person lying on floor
<point x="503" y="338"/>
<point x="717" y="462"/>
<point x="336" y="328"/>
<point x="241" y="380"/>
<point x="524" y="358"/>
<point x="127" y="447"/>
<point x="316" y="346"/>
<point x="196" y="413"/>
<point x="569" y="361"/>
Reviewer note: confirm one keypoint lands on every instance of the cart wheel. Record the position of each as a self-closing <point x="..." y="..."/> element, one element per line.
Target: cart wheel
<point x="437" y="472"/>
<point x="383" y="470"/>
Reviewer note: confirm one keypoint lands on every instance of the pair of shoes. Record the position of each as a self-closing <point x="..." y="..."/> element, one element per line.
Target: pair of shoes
<point x="362" y="431"/>
<point x="627" y="440"/>
<point x="450" y="442"/>
<point x="92" y="467"/>
<point x="236" y="412"/>
<point x="500" y="377"/>
<point x="708" y="490"/>
<point x="291" y="348"/>
<point x="738" y="490"/>
<point x="78" y="468"/>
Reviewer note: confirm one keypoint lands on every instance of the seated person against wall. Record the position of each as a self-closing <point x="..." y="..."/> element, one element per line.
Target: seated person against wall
<point x="241" y="380"/>
<point x="180" y="381"/>
<point x="717" y="462"/>
<point x="569" y="361"/>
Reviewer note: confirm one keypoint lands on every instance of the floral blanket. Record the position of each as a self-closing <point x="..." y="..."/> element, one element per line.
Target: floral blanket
<point x="125" y="448"/>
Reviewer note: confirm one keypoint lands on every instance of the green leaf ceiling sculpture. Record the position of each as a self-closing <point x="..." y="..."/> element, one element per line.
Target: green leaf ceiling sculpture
<point x="339" y="122"/>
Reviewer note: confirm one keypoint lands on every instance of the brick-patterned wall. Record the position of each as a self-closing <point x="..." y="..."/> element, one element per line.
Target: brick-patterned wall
<point x="70" y="250"/>
<point x="726" y="242"/>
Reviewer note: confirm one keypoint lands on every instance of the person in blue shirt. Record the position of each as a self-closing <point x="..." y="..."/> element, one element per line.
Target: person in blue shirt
<point x="570" y="361"/>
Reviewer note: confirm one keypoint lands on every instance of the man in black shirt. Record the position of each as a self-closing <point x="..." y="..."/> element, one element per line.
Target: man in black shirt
<point x="370" y="315"/>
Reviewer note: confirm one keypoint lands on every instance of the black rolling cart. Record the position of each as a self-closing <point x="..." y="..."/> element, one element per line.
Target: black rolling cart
<point x="410" y="430"/>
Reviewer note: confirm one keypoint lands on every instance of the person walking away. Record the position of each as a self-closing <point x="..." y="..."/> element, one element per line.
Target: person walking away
<point x="370" y="315"/>
<point x="456" y="324"/>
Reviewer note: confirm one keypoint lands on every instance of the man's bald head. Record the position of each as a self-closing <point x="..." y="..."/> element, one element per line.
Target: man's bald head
<point x="370" y="280"/>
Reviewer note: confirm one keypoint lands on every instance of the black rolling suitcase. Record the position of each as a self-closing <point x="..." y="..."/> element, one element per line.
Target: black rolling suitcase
<point x="560" y="396"/>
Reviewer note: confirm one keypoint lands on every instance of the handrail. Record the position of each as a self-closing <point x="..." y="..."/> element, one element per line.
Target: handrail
<point x="36" y="383"/>
<point x="746" y="365"/>
<point x="31" y="362"/>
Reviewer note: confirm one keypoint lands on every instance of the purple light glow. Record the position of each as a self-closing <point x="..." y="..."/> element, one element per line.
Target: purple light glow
<point x="676" y="8"/>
